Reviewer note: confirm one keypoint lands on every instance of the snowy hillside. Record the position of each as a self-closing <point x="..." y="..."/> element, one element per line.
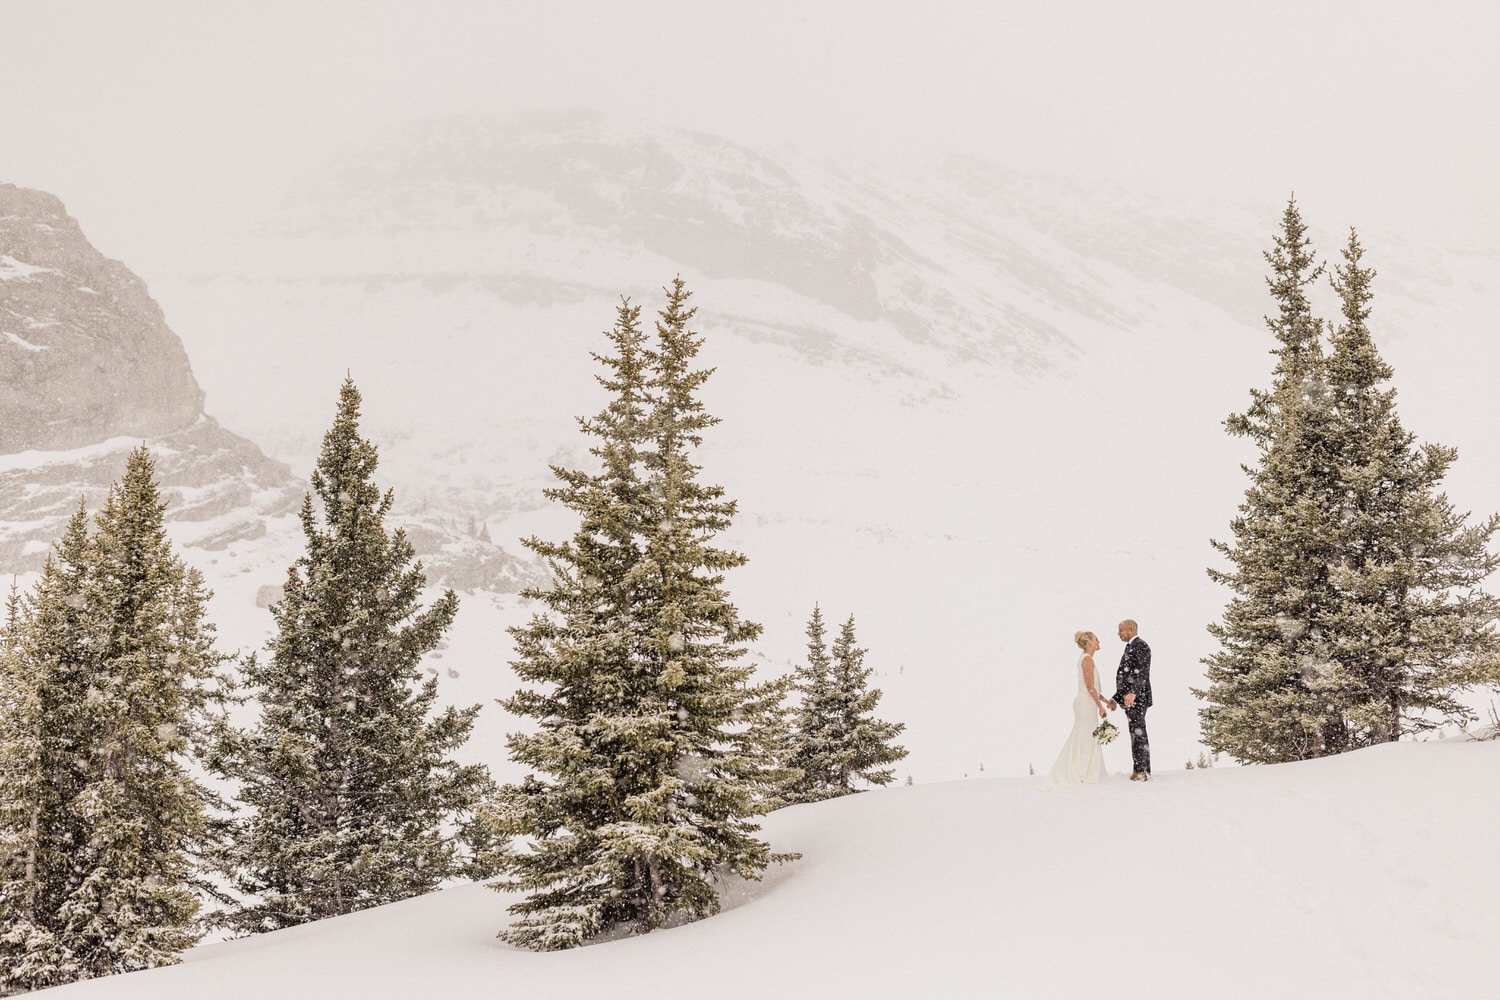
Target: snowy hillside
<point x="979" y="285"/>
<point x="932" y="391"/>
<point x="1368" y="875"/>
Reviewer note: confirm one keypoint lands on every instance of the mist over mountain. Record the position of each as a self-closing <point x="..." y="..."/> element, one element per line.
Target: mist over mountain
<point x="88" y="370"/>
<point x="978" y="286"/>
<point x="976" y="408"/>
<point x="975" y="262"/>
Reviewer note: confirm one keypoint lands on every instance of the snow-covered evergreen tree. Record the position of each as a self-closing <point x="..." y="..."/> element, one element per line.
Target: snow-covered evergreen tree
<point x="111" y="677"/>
<point x="1261" y="704"/>
<point x="351" y="789"/>
<point x="30" y="954"/>
<point x="837" y="739"/>
<point x="1409" y="624"/>
<point x="1356" y="604"/>
<point x="654" y="751"/>
<point x="818" y="713"/>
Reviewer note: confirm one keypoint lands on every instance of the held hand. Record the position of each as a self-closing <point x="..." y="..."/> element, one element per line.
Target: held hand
<point x="1112" y="705"/>
<point x="1130" y="700"/>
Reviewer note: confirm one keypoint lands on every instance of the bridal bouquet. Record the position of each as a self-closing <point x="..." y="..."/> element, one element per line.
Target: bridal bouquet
<point x="1105" y="732"/>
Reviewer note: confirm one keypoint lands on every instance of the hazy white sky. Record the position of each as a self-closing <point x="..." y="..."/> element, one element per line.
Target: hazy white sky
<point x="155" y="119"/>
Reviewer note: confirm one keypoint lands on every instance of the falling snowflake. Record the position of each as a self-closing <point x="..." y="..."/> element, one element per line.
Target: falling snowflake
<point x="1289" y="627"/>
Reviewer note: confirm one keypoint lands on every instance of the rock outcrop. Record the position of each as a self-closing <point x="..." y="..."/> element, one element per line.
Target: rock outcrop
<point x="85" y="353"/>
<point x="88" y="370"/>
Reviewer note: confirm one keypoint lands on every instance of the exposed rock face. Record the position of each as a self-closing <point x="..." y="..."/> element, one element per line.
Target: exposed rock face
<point x="85" y="354"/>
<point x="218" y="487"/>
<point x="89" y="370"/>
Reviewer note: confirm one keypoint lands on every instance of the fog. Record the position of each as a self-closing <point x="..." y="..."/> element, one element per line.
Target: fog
<point x="163" y="124"/>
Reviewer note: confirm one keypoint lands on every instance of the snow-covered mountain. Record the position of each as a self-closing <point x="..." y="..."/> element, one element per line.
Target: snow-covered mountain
<point x="976" y="409"/>
<point x="89" y="369"/>
<point x="1368" y="875"/>
<point x="84" y="352"/>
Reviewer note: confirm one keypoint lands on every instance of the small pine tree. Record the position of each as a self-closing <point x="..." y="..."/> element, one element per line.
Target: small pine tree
<point x="837" y="739"/>
<point x="347" y="774"/>
<point x="818" y="712"/>
<point x="866" y="741"/>
<point x="111" y="681"/>
<point x="654" y="751"/>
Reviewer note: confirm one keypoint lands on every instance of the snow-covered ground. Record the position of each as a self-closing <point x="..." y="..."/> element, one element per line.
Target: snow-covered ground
<point x="1373" y="874"/>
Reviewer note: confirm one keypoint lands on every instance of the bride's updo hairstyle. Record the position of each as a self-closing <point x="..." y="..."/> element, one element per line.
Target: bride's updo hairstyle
<point x="1082" y="638"/>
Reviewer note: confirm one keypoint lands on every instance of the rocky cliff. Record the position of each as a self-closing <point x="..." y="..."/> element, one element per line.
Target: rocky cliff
<point x="88" y="370"/>
<point x="85" y="354"/>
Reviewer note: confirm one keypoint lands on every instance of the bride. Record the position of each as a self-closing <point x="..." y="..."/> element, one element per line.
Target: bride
<point x="1082" y="759"/>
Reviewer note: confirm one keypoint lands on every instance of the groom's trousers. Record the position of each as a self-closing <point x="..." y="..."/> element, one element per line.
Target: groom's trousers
<point x="1140" y="747"/>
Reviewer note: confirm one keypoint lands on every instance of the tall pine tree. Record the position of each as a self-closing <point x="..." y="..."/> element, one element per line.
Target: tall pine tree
<point x="837" y="740"/>
<point x="1262" y="705"/>
<point x="352" y="792"/>
<point x="1410" y="624"/>
<point x="111" y="683"/>
<point x="1356" y="608"/>
<point x="653" y="750"/>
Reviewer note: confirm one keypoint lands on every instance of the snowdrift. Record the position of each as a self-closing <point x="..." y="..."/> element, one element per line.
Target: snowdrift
<point x="1368" y="875"/>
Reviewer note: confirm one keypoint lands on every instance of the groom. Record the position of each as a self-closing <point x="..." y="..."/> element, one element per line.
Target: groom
<point x="1133" y="691"/>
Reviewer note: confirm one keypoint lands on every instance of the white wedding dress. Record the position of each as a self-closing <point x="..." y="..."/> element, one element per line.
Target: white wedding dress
<point x="1082" y="759"/>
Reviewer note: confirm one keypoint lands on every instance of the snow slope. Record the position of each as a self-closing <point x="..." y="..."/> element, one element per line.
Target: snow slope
<point x="1373" y="874"/>
<point x="987" y="414"/>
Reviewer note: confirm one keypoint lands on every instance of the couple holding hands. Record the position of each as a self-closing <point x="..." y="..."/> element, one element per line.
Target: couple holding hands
<point x="1082" y="758"/>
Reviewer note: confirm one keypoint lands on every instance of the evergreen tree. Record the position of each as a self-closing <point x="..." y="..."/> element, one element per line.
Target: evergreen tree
<point x="347" y="773"/>
<point x="31" y="957"/>
<point x="111" y="678"/>
<point x="867" y="740"/>
<point x="1409" y="625"/>
<point x="1357" y="611"/>
<point x="1262" y="705"/>
<point x="818" y="711"/>
<point x="837" y="738"/>
<point x="653" y="750"/>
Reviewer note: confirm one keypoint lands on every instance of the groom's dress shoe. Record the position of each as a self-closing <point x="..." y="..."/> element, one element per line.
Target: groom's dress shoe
<point x="1140" y="775"/>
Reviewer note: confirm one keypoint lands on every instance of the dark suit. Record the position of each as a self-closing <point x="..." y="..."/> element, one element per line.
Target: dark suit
<point x="1134" y="677"/>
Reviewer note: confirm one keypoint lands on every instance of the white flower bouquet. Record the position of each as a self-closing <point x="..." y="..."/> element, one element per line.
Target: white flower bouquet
<point x="1105" y="732"/>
